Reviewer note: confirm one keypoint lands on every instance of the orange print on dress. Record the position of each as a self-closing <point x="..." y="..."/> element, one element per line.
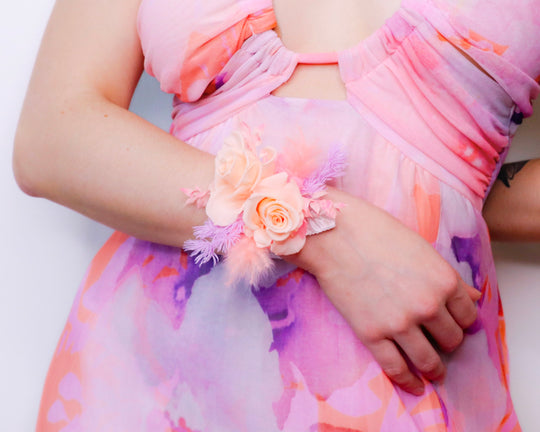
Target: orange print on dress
<point x="184" y="260"/>
<point x="148" y="260"/>
<point x="428" y="212"/>
<point x="475" y="39"/>
<point x="97" y="267"/>
<point x="65" y="362"/>
<point x="102" y="259"/>
<point x="295" y="274"/>
<point x="334" y="420"/>
<point x="509" y="418"/>
<point x="323" y="427"/>
<point x="500" y="337"/>
<point x="166" y="272"/>
<point x="205" y="57"/>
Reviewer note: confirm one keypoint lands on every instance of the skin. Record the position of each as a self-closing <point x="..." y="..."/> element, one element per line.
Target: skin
<point x="78" y="145"/>
<point x="512" y="210"/>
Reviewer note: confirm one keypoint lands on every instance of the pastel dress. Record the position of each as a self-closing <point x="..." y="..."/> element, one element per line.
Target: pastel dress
<point x="156" y="343"/>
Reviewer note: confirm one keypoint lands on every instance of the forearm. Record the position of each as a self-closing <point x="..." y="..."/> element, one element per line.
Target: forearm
<point x="103" y="161"/>
<point x="78" y="145"/>
<point x="512" y="209"/>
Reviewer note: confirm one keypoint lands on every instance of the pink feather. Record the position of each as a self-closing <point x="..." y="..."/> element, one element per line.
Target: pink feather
<point x="245" y="261"/>
<point x="298" y="159"/>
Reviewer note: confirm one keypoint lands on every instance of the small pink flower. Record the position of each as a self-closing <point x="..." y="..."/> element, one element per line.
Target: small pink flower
<point x="237" y="171"/>
<point x="273" y="215"/>
<point x="197" y="197"/>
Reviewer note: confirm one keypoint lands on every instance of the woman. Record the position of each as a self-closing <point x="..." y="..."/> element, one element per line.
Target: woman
<point x="155" y="342"/>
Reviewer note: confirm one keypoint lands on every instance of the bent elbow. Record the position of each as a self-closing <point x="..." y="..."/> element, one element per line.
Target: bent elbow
<point x="24" y="167"/>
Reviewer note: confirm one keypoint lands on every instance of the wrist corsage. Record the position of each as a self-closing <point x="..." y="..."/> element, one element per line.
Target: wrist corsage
<point x="261" y="203"/>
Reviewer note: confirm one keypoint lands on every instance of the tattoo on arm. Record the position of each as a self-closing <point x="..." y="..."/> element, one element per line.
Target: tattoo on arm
<point x="509" y="171"/>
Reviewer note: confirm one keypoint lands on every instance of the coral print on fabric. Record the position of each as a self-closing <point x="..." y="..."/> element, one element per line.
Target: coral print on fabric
<point x="155" y="342"/>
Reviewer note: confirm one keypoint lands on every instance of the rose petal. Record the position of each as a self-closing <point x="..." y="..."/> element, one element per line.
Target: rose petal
<point x="278" y="236"/>
<point x="261" y="239"/>
<point x="271" y="184"/>
<point x="222" y="208"/>
<point x="290" y="246"/>
<point x="278" y="187"/>
<point x="250" y="216"/>
<point x="278" y="216"/>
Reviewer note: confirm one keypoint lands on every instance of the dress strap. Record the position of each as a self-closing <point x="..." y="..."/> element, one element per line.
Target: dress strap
<point x="318" y="58"/>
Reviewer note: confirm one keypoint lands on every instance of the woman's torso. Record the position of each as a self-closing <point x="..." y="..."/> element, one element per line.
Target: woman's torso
<point x="424" y="130"/>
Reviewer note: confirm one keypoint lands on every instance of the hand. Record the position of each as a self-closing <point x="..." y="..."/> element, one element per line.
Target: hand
<point x="392" y="287"/>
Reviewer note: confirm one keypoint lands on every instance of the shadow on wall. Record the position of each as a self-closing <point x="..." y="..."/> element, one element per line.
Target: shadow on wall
<point x="151" y="103"/>
<point x="524" y="253"/>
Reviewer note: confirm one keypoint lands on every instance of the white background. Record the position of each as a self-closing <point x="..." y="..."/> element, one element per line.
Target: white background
<point x="45" y="249"/>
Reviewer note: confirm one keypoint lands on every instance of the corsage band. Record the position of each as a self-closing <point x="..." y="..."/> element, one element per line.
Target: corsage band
<point x="259" y="205"/>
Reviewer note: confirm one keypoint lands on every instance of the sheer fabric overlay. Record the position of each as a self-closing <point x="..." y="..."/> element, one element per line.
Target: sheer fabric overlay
<point x="157" y="343"/>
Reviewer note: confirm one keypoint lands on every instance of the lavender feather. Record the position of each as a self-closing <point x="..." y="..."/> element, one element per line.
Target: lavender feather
<point x="211" y="240"/>
<point x="334" y="167"/>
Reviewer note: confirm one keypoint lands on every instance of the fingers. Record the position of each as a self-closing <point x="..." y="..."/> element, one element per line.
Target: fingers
<point x="395" y="367"/>
<point x="474" y="294"/>
<point x="461" y="305"/>
<point x="446" y="328"/>
<point x="445" y="331"/>
<point x="422" y="354"/>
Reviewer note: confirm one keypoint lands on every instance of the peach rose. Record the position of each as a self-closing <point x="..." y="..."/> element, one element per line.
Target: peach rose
<point x="237" y="171"/>
<point x="274" y="215"/>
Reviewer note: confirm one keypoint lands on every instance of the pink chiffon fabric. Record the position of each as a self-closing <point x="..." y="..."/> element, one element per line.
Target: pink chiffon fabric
<point x="157" y="343"/>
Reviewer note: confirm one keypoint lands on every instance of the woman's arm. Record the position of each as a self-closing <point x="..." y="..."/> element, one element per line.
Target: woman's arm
<point x="78" y="145"/>
<point x="393" y="288"/>
<point x="512" y="210"/>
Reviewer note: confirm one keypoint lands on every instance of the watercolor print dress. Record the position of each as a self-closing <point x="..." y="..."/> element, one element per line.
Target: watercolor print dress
<point x="156" y="343"/>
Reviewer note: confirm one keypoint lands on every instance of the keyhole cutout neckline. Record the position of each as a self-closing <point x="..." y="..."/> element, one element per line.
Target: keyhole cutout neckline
<point x="328" y="57"/>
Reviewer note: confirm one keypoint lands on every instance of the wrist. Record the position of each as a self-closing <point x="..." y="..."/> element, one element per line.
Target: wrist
<point x="260" y="204"/>
<point x="321" y="250"/>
